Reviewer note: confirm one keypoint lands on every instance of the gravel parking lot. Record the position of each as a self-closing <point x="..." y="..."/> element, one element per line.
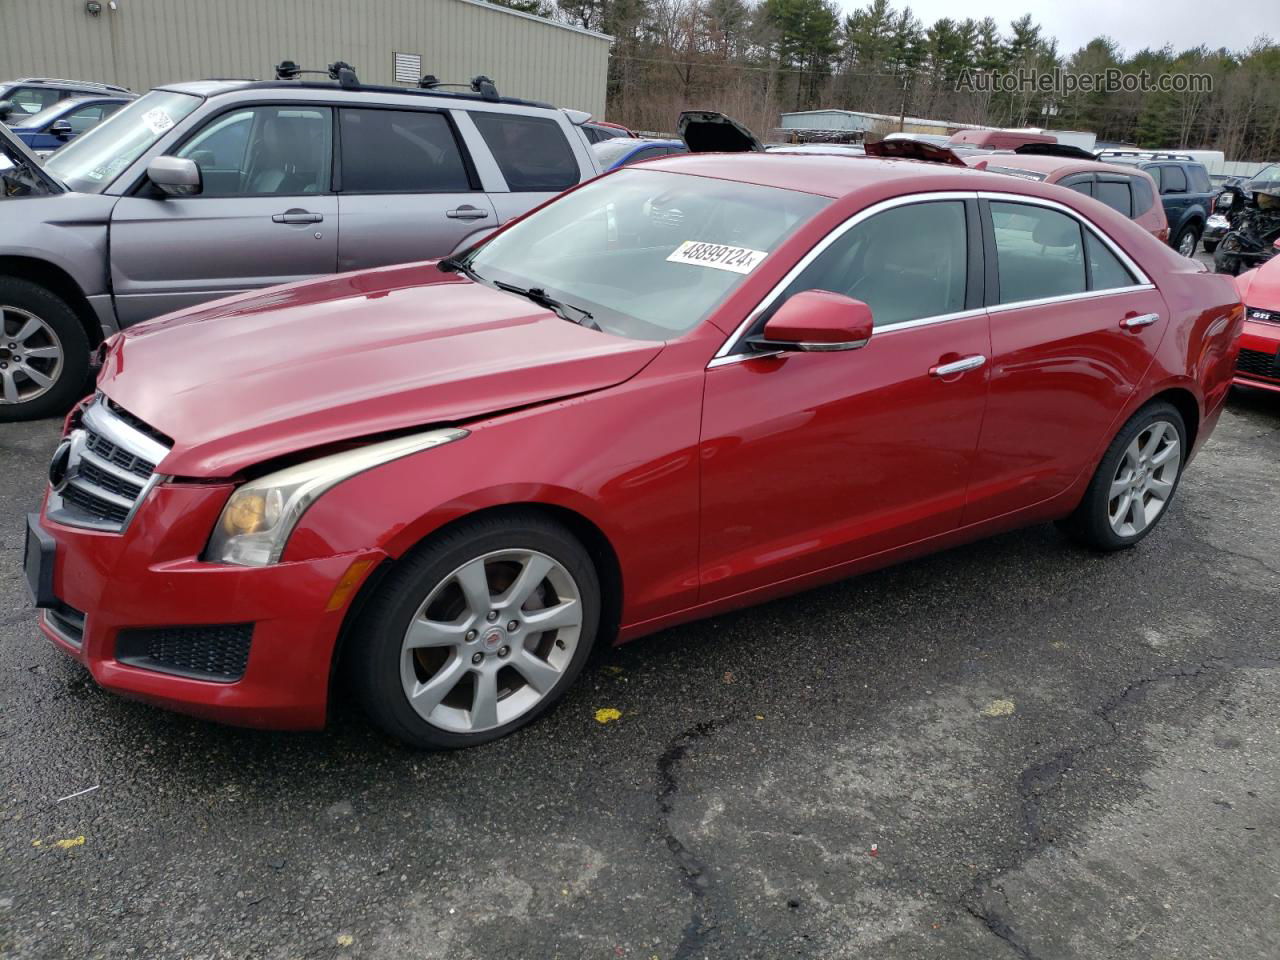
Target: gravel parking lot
<point x="1015" y="749"/>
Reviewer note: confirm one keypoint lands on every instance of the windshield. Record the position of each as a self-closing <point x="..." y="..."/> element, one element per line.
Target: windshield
<point x="647" y="253"/>
<point x="92" y="160"/>
<point x="1268" y="175"/>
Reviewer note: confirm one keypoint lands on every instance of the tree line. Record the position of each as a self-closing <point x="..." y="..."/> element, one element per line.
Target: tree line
<point x="754" y="59"/>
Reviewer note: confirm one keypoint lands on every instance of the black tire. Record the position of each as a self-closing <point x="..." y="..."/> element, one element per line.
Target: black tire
<point x="373" y="654"/>
<point x="1209" y="245"/>
<point x="1192" y="231"/>
<point x="61" y="320"/>
<point x="1090" y="523"/>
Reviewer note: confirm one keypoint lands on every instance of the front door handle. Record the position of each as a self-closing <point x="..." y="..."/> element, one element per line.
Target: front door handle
<point x="297" y="216"/>
<point x="957" y="366"/>
<point x="1139" y="321"/>
<point x="467" y="212"/>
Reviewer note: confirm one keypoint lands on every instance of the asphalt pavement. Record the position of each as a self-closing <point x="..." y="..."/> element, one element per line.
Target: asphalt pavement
<point x="1016" y="749"/>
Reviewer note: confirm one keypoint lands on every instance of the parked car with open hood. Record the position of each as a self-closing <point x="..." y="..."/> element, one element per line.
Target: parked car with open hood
<point x="683" y="387"/>
<point x="202" y="190"/>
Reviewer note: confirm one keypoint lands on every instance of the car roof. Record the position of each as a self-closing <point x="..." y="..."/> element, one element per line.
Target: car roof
<point x="1048" y="165"/>
<point x="327" y="89"/>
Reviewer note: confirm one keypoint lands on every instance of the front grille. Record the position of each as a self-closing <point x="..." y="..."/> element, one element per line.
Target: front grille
<point x="104" y="468"/>
<point x="1255" y="363"/>
<point x="66" y="621"/>
<point x="1263" y="316"/>
<point x="219" y="652"/>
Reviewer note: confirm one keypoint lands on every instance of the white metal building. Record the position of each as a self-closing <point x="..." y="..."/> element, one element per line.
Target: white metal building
<point x="143" y="43"/>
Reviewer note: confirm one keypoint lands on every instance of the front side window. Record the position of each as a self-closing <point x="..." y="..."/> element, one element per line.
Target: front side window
<point x="532" y="152"/>
<point x="1039" y="252"/>
<point x="91" y="162"/>
<point x="264" y="151"/>
<point x="648" y="253"/>
<point x="400" y="151"/>
<point x="1115" y="194"/>
<point x="84" y="118"/>
<point x="907" y="263"/>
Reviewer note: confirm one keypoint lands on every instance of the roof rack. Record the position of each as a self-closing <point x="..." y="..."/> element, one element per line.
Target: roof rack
<point x="481" y="87"/>
<point x="79" y="83"/>
<point x="1145" y="154"/>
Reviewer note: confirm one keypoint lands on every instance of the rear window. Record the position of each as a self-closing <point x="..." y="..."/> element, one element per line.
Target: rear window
<point x="1199" y="179"/>
<point x="400" y="151"/>
<point x="532" y="152"/>
<point x="1143" y="197"/>
<point x="1116" y="195"/>
<point x="1172" y="180"/>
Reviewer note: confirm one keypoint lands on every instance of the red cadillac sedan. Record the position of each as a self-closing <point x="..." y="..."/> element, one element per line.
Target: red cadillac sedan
<point x="673" y="391"/>
<point x="1259" y="362"/>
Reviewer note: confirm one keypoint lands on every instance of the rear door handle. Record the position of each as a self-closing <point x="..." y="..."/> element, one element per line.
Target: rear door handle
<point x="297" y="216"/>
<point x="1142" y="320"/>
<point x="957" y="366"/>
<point x="467" y="212"/>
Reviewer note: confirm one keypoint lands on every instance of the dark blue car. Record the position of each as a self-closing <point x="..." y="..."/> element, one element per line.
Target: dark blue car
<point x="56" y="125"/>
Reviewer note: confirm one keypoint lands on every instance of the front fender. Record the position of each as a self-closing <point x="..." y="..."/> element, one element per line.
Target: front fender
<point x="67" y="230"/>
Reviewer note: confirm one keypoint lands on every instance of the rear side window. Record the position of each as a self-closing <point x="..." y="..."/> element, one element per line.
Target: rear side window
<point x="1080" y="184"/>
<point x="1172" y="180"/>
<point x="908" y="263"/>
<point x="1039" y="252"/>
<point x="1143" y="198"/>
<point x="1105" y="269"/>
<point x="31" y="100"/>
<point x="1199" y="179"/>
<point x="532" y="152"/>
<point x="400" y="151"/>
<point x="1116" y="195"/>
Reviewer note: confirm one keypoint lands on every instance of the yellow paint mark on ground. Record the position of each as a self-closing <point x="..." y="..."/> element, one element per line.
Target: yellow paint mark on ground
<point x="998" y="708"/>
<point x="345" y="939"/>
<point x="70" y="842"/>
<point x="608" y="715"/>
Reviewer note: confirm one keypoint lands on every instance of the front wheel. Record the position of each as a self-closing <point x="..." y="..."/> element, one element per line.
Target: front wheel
<point x="44" y="352"/>
<point x="478" y="632"/>
<point x="1135" y="481"/>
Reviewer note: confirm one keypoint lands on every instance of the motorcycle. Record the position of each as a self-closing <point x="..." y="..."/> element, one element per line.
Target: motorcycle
<point x="1254" y="229"/>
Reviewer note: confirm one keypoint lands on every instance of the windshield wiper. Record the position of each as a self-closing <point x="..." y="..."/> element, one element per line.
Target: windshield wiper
<point x="455" y="265"/>
<point x="558" y="307"/>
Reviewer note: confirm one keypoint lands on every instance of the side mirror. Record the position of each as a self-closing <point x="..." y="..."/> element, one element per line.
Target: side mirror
<point x="176" y="176"/>
<point x="62" y="129"/>
<point x="817" y="320"/>
<point x="6" y="108"/>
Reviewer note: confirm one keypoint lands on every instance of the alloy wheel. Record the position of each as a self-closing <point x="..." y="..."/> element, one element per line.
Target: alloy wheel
<point x="30" y="356"/>
<point x="1187" y="245"/>
<point x="1144" y="479"/>
<point x="491" y="640"/>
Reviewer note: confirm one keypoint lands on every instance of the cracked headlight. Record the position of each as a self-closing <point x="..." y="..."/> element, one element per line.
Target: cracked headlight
<point x="256" y="522"/>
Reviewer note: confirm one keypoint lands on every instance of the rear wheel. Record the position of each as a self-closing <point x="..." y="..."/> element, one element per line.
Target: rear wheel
<point x="477" y="633"/>
<point x="44" y="353"/>
<point x="1135" y="481"/>
<point x="1187" y="239"/>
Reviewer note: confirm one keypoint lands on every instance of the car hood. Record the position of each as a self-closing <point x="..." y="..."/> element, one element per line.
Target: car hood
<point x="20" y="170"/>
<point x="264" y="375"/>
<point x="1260" y="287"/>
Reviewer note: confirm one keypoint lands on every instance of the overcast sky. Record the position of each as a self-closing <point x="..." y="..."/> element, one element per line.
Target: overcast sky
<point x="1134" y="25"/>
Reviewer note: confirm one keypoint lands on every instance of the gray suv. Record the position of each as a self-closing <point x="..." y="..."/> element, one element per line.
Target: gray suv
<point x="203" y="190"/>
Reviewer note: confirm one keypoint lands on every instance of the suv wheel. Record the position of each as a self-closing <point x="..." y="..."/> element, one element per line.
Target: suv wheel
<point x="44" y="353"/>
<point x="477" y="633"/>
<point x="1187" y="239"/>
<point x="1135" y="481"/>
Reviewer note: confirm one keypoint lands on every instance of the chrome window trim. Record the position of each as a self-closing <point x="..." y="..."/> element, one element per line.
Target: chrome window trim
<point x="726" y="349"/>
<point x="726" y="354"/>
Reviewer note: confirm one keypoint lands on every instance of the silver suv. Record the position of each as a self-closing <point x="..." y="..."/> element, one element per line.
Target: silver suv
<point x="202" y="190"/>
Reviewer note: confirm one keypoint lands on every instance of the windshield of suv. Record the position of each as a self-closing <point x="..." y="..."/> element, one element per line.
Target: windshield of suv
<point x="92" y="160"/>
<point x="647" y="253"/>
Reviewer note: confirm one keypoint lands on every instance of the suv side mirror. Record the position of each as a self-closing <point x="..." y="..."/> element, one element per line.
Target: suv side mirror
<point x="62" y="129"/>
<point x="817" y="320"/>
<point x="176" y="176"/>
<point x="6" y="108"/>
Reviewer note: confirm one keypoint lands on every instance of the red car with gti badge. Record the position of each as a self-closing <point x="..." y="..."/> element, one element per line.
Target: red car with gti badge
<point x="676" y="390"/>
<point x="1259" y="362"/>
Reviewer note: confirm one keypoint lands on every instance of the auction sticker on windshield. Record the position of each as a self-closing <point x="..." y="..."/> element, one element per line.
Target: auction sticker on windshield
<point x="157" y="120"/>
<point x="717" y="255"/>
